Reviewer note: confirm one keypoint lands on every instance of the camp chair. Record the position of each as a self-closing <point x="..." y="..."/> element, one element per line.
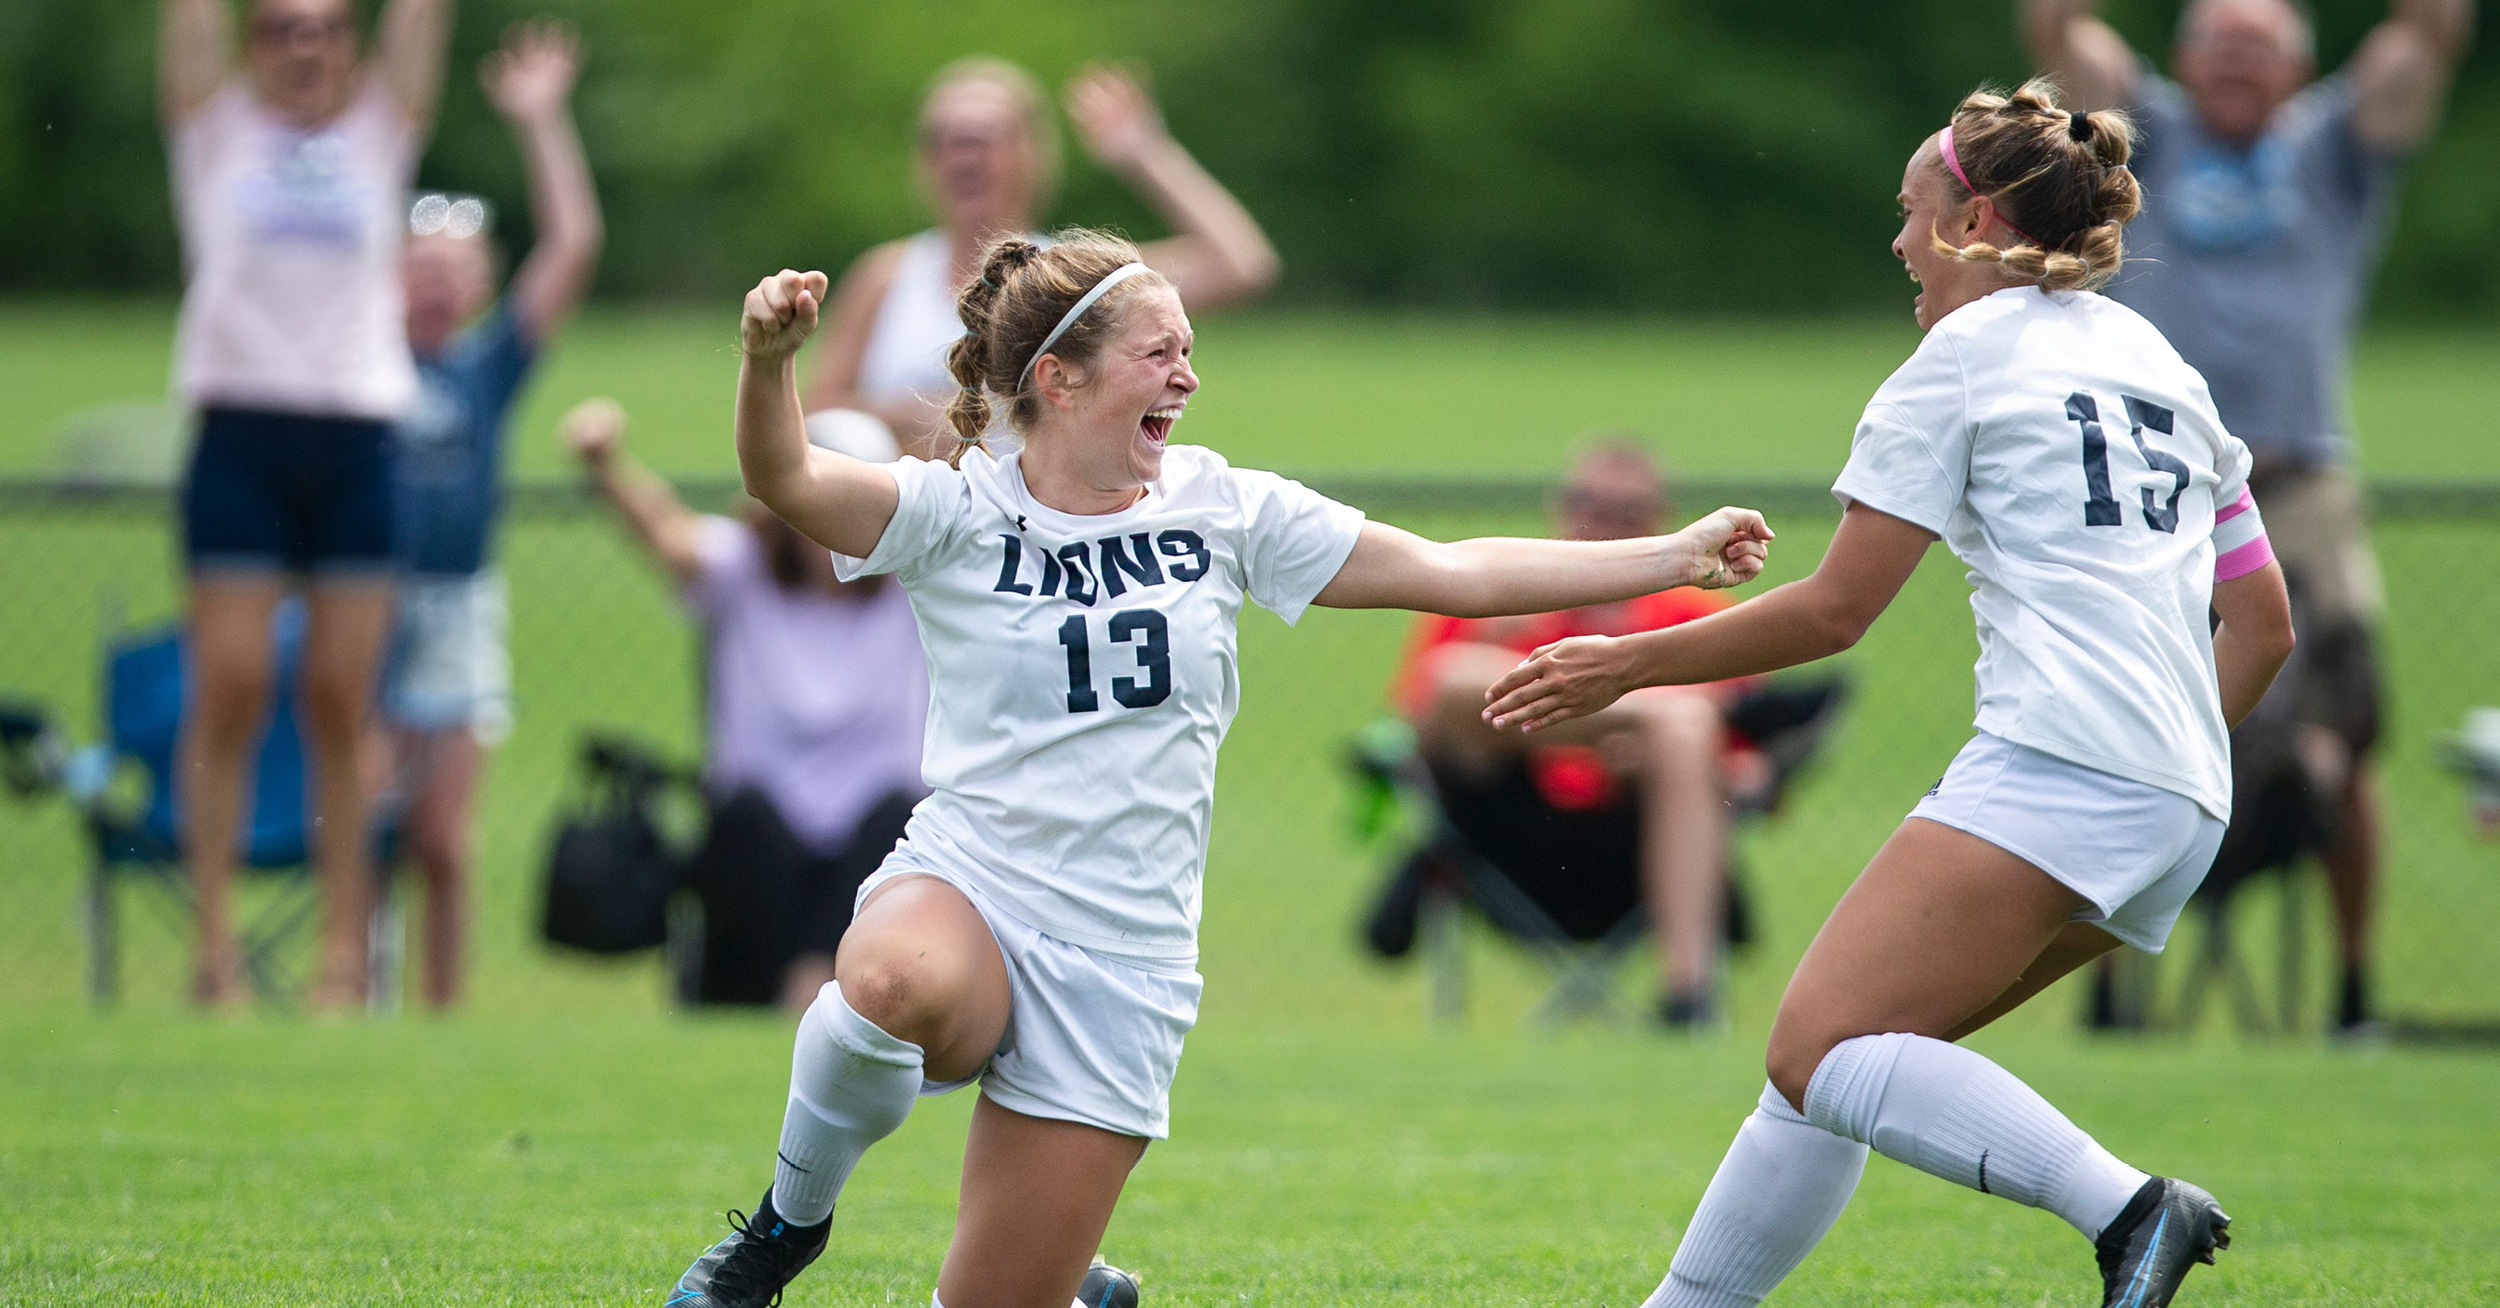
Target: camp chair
<point x="2279" y="822"/>
<point x="1584" y="940"/>
<point x="134" y="840"/>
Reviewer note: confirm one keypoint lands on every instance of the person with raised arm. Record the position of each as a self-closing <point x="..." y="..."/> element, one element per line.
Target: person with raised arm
<point x="2268" y="197"/>
<point x="290" y="170"/>
<point x="448" y="692"/>
<point x="988" y="160"/>
<point x="1077" y="590"/>
<point x="814" y="698"/>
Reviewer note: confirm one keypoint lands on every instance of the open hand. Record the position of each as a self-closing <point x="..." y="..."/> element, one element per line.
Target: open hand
<point x="593" y="430"/>
<point x="1729" y="548"/>
<point x="1570" y="678"/>
<point x="1114" y="116"/>
<point x="531" y="76"/>
<point x="780" y="315"/>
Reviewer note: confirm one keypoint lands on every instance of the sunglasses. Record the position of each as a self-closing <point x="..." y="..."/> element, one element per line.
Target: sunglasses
<point x="456" y="216"/>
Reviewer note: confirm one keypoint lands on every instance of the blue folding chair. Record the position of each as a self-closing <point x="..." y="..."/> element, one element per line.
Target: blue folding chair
<point x="146" y="688"/>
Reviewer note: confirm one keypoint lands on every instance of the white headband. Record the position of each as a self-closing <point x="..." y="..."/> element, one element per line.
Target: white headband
<point x="1118" y="275"/>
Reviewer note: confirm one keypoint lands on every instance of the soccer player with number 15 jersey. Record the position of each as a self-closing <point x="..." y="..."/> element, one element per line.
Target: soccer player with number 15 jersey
<point x="2057" y="443"/>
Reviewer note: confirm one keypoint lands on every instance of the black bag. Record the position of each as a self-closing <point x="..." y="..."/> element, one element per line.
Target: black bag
<point x="610" y="871"/>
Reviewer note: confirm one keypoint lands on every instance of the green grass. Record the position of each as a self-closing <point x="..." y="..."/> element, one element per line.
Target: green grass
<point x="1316" y="392"/>
<point x="564" y="1141"/>
<point x="490" y="1162"/>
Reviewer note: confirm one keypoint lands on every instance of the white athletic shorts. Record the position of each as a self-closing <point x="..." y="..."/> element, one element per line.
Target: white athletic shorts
<point x="1090" y="1038"/>
<point x="2135" y="850"/>
<point x="450" y="663"/>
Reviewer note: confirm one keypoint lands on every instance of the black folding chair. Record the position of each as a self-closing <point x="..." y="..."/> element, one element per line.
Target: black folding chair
<point x="1582" y="938"/>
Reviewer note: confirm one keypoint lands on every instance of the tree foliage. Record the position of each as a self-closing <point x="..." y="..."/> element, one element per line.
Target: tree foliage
<point x="1645" y="155"/>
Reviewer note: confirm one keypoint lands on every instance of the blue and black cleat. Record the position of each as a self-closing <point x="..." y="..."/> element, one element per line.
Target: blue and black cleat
<point x="1106" y="1286"/>
<point x="2167" y="1228"/>
<point x="748" y="1269"/>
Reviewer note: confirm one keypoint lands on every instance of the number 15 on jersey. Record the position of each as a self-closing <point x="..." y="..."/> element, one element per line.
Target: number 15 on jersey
<point x="2100" y="507"/>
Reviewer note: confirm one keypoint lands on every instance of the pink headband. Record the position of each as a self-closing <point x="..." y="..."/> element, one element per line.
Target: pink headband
<point x="1954" y="163"/>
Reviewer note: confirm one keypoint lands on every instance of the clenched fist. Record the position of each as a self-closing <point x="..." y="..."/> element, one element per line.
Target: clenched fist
<point x="780" y="315"/>
<point x="593" y="430"/>
<point x="1729" y="548"/>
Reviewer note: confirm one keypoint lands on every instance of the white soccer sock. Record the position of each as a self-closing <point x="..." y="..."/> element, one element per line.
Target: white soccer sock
<point x="1951" y="1113"/>
<point x="1781" y="1186"/>
<point x="851" y="1084"/>
<point x="934" y="1302"/>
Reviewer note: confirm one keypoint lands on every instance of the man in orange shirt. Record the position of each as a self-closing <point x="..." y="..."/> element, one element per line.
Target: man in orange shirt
<point x="1643" y="784"/>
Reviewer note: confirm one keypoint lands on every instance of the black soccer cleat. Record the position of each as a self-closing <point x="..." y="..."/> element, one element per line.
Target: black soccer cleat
<point x="1106" y="1286"/>
<point x="748" y="1269"/>
<point x="2167" y="1228"/>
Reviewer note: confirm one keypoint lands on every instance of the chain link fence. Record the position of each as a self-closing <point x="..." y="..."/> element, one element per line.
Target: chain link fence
<point x="599" y="645"/>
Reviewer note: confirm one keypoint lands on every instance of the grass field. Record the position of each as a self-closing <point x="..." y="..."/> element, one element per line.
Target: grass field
<point x="493" y="1162"/>
<point x="567" y="1142"/>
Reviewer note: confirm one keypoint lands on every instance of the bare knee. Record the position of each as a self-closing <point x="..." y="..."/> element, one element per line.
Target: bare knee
<point x="1451" y="726"/>
<point x="1796" y="1049"/>
<point x="335" y="702"/>
<point x="230" y="696"/>
<point x="1680" y="727"/>
<point x="906" y="993"/>
<point x="439" y="845"/>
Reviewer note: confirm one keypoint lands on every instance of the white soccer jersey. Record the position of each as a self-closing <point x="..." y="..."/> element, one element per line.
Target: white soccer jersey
<point x="2061" y="448"/>
<point x="1082" y="672"/>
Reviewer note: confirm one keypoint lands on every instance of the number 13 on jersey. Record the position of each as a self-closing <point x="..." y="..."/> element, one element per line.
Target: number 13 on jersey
<point x="1142" y="628"/>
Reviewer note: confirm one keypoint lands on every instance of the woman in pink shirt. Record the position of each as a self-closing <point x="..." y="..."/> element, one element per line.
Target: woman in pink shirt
<point x="291" y="172"/>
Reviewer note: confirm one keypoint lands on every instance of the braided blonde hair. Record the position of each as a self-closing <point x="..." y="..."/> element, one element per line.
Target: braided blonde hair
<point x="2059" y="178"/>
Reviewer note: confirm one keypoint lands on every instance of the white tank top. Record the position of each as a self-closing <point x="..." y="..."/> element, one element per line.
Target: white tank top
<point x="915" y="324"/>
<point x="291" y="240"/>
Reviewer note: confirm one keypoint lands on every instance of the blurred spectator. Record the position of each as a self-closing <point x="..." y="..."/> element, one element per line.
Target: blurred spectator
<point x="1640" y="789"/>
<point x="2267" y="198"/>
<point x="449" y="691"/>
<point x="289" y="174"/>
<point x="815" y="697"/>
<point x="989" y="157"/>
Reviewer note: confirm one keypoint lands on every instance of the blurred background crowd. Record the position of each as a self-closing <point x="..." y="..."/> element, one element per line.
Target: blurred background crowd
<point x="283" y="622"/>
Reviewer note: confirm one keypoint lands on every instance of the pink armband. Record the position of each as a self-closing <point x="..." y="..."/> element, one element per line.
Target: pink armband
<point x="2240" y="546"/>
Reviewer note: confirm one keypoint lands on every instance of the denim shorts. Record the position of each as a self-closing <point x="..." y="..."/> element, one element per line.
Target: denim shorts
<point x="288" y="493"/>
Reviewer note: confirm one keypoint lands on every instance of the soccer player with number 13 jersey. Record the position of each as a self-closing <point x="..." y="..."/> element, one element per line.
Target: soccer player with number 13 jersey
<point x="1076" y="590"/>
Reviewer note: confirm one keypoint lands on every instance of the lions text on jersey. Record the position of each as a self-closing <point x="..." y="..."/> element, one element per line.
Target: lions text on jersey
<point x="1082" y="673"/>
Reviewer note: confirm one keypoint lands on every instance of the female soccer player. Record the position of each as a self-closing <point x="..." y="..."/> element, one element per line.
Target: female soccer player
<point x="2055" y="441"/>
<point x="290" y="175"/>
<point x="988" y="160"/>
<point x="1037" y="928"/>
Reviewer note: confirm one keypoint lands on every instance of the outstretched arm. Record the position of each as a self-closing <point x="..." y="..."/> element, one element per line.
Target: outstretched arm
<point x="2254" y="639"/>
<point x="1495" y="576"/>
<point x="836" y="500"/>
<point x="1872" y="555"/>
<point x="194" y="55"/>
<point x="1218" y="255"/>
<point x="2404" y="68"/>
<point x="2069" y="41"/>
<point x="409" y="52"/>
<point x="530" y="82"/>
<point x="595" y="431"/>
